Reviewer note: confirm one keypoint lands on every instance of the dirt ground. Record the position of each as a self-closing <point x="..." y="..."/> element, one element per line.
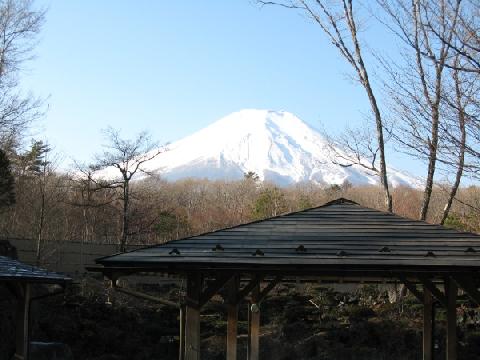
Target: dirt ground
<point x="314" y="323"/>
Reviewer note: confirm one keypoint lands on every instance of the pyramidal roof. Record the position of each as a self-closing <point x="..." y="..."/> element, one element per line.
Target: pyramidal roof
<point x="340" y="235"/>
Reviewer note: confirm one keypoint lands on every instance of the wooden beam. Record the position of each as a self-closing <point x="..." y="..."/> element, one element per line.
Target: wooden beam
<point x="254" y="325"/>
<point x="141" y="295"/>
<point x="22" y="336"/>
<point x="249" y="329"/>
<point x="428" y="325"/>
<point x="213" y="288"/>
<point x="232" y="318"/>
<point x="451" y="292"/>
<point x="181" y="340"/>
<point x="268" y="288"/>
<point x="434" y="290"/>
<point x="468" y="285"/>
<point x="255" y="281"/>
<point x="413" y="289"/>
<point x="232" y="331"/>
<point x="192" y="318"/>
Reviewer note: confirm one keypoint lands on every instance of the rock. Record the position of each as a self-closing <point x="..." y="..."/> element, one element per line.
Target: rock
<point x="49" y="351"/>
<point x="7" y="249"/>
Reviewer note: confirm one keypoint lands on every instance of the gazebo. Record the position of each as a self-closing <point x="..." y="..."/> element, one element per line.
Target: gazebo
<point x="19" y="278"/>
<point x="340" y="241"/>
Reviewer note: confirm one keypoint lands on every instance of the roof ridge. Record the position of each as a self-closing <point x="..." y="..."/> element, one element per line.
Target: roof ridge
<point x="339" y="201"/>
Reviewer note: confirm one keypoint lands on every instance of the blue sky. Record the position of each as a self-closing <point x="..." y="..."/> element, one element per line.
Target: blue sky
<point x="174" y="67"/>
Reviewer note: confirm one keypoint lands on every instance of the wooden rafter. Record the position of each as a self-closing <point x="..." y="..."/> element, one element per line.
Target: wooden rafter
<point x="413" y="289"/>
<point x="249" y="287"/>
<point x="214" y="287"/>
<point x="141" y="295"/>
<point x="434" y="290"/>
<point x="269" y="287"/>
<point x="468" y="285"/>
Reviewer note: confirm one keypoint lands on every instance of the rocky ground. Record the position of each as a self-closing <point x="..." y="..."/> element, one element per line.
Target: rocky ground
<point x="313" y="322"/>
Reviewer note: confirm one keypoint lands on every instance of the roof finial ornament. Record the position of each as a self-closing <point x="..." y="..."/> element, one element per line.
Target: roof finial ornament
<point x="258" y="252"/>
<point x="218" y="247"/>
<point x="301" y="248"/>
<point x="174" y="251"/>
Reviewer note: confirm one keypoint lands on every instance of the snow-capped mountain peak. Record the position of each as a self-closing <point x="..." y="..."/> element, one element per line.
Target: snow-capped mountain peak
<point x="276" y="145"/>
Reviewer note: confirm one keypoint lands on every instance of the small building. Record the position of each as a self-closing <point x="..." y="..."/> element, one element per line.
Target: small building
<point x="340" y="241"/>
<point x="20" y="279"/>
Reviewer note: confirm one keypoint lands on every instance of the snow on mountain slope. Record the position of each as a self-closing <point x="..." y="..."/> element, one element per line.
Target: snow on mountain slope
<point x="276" y="145"/>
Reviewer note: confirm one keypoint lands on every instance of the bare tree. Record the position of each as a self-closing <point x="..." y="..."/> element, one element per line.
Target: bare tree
<point x="128" y="158"/>
<point x="417" y="86"/>
<point x="86" y="189"/>
<point x="465" y="87"/>
<point x="339" y="21"/>
<point x="20" y="24"/>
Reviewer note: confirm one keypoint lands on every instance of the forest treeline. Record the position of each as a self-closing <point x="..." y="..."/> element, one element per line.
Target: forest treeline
<point x="423" y="100"/>
<point x="54" y="206"/>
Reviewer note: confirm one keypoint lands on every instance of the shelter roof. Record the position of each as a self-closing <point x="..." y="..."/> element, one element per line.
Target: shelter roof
<point x="338" y="236"/>
<point x="14" y="270"/>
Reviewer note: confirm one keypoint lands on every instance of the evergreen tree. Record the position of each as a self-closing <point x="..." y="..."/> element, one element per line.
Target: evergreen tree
<point x="304" y="202"/>
<point x="36" y="158"/>
<point x="7" y="182"/>
<point x="271" y="202"/>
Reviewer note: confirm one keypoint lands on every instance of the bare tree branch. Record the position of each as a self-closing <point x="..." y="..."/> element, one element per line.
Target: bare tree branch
<point x="338" y="21"/>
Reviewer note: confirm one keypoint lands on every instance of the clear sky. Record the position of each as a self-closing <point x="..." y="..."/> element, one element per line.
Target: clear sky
<point x="173" y="67"/>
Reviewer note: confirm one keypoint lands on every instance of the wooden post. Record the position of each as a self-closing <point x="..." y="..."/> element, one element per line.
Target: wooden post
<point x="22" y="339"/>
<point x="254" y="325"/>
<point x="181" y="350"/>
<point x="232" y="318"/>
<point x="192" y="318"/>
<point x="428" y="321"/>
<point x="249" y="328"/>
<point x="451" y="294"/>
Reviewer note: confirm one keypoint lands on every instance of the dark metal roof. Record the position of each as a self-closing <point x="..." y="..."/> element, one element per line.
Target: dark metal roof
<point x="14" y="270"/>
<point x="340" y="235"/>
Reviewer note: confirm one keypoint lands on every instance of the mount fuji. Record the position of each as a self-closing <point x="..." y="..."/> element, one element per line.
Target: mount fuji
<point x="276" y="145"/>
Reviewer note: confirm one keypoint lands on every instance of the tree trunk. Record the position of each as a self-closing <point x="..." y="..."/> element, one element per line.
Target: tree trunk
<point x="461" y="154"/>
<point x="380" y="139"/>
<point x="40" y="227"/>
<point x="381" y="147"/>
<point x="432" y="161"/>
<point x="365" y="81"/>
<point x="427" y="192"/>
<point x="454" y="189"/>
<point x="123" y="243"/>
<point x="434" y="103"/>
